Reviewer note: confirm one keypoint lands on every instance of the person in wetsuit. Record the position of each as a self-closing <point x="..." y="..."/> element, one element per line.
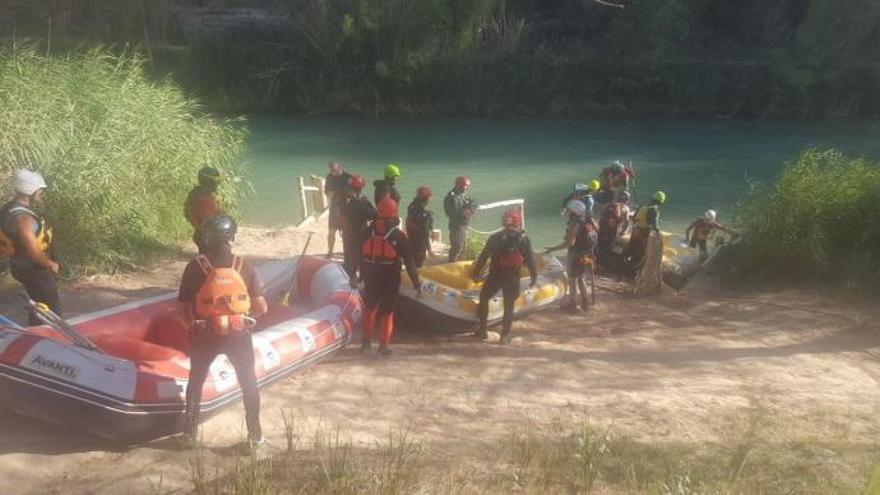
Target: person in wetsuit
<point x="420" y="224"/>
<point x="460" y="209"/>
<point x="356" y="215"/>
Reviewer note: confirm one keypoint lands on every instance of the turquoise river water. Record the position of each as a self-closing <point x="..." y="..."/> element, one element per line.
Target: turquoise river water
<point x="699" y="164"/>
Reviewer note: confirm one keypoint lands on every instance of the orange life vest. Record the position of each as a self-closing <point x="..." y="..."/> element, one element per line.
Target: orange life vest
<point x="379" y="249"/>
<point x="223" y="298"/>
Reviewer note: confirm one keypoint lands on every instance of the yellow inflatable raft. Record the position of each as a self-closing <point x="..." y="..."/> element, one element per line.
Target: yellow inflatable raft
<point x="450" y="295"/>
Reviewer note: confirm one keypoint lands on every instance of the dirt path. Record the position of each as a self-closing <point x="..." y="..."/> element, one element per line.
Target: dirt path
<point x="689" y="369"/>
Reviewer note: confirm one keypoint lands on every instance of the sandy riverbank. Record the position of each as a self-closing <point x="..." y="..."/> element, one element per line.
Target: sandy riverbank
<point x="687" y="369"/>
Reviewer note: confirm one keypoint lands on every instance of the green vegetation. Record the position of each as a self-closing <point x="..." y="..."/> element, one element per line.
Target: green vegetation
<point x="562" y="457"/>
<point x="818" y="222"/>
<point x="118" y="151"/>
<point x="744" y="58"/>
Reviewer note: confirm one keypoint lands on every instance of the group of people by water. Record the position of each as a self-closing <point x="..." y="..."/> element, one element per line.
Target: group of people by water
<point x="220" y="293"/>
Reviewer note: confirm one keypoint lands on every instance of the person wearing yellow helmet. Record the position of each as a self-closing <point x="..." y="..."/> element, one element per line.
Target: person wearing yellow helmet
<point x="385" y="187"/>
<point x="645" y="220"/>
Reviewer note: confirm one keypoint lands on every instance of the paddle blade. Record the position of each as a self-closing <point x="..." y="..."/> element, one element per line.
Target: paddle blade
<point x="285" y="299"/>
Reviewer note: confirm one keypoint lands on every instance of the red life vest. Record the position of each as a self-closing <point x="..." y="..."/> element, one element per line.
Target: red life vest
<point x="380" y="249"/>
<point x="509" y="255"/>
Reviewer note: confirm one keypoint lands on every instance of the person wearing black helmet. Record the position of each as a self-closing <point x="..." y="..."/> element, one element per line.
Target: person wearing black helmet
<point x="219" y="296"/>
<point x="203" y="202"/>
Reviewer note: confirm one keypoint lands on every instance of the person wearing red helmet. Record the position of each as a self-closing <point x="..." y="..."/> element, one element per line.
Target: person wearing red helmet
<point x="419" y="224"/>
<point x="356" y="214"/>
<point x="507" y="251"/>
<point x="459" y="208"/>
<point x="383" y="252"/>
<point x="335" y="187"/>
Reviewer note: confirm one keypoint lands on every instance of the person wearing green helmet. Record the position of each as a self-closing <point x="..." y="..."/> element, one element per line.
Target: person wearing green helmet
<point x="203" y="202"/>
<point x="645" y="220"/>
<point x="385" y="187"/>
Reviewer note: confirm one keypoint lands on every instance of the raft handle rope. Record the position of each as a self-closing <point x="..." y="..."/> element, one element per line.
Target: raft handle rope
<point x="498" y="204"/>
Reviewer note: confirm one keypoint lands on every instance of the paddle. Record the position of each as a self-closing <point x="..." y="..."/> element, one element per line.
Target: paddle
<point x="285" y="296"/>
<point x="58" y="323"/>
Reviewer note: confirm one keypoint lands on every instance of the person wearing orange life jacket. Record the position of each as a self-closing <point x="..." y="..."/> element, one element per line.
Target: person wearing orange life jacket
<point x="26" y="239"/>
<point x="616" y="178"/>
<point x="506" y="251"/>
<point x="580" y="240"/>
<point x="202" y="202"/>
<point x="420" y="224"/>
<point x="613" y="221"/>
<point x="384" y="250"/>
<point x="356" y="214"/>
<point x="219" y="295"/>
<point x="703" y="228"/>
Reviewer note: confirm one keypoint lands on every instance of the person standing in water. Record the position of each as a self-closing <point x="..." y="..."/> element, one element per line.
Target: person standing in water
<point x="218" y="292"/>
<point x="386" y="187"/>
<point x="385" y="249"/>
<point x="203" y="201"/>
<point x="507" y="251"/>
<point x="645" y="220"/>
<point x="335" y="187"/>
<point x="460" y="209"/>
<point x="357" y="212"/>
<point x="420" y="224"/>
<point x="702" y="229"/>
<point x="580" y="240"/>
<point x="26" y="238"/>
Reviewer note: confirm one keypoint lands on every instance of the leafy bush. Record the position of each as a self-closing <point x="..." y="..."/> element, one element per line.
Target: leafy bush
<point x="818" y="221"/>
<point x="119" y="151"/>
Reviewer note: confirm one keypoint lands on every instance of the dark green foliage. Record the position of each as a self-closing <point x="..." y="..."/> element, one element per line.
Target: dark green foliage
<point x="119" y="152"/>
<point x="743" y="58"/>
<point x="819" y="222"/>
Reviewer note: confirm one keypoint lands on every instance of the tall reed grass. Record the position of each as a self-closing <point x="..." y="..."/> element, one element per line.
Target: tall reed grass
<point x="118" y="150"/>
<point x="819" y="221"/>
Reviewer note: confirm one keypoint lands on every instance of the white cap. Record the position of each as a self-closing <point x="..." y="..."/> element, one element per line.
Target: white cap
<point x="711" y="215"/>
<point x="28" y="182"/>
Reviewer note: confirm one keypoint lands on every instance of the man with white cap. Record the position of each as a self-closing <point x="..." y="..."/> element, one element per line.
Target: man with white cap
<point x="26" y="239"/>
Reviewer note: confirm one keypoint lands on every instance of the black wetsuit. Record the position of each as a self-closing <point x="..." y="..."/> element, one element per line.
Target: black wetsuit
<point x="419" y="224"/>
<point x="357" y="213"/>
<point x="584" y="234"/>
<point x="506" y="252"/>
<point x="385" y="187"/>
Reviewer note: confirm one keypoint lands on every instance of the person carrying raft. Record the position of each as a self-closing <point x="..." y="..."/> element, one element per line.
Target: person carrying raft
<point x="419" y="224"/>
<point x="385" y="249"/>
<point x="335" y="187"/>
<point x="507" y="251"/>
<point x="702" y="229"/>
<point x="580" y="240"/>
<point x="219" y="295"/>
<point x="645" y="220"/>
<point x="202" y="202"/>
<point x="460" y="209"/>
<point x="386" y="187"/>
<point x="356" y="214"/>
<point x="26" y="238"/>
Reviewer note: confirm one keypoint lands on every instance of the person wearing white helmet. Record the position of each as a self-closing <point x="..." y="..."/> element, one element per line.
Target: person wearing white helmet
<point x="26" y="238"/>
<point x="580" y="240"/>
<point x="702" y="229"/>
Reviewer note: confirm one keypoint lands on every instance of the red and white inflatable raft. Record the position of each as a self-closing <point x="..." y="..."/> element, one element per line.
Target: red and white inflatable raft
<point x="133" y="386"/>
